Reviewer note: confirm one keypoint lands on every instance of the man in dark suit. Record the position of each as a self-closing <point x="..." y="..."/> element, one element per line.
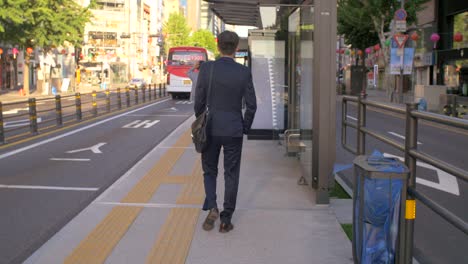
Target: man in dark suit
<point x="231" y="83"/>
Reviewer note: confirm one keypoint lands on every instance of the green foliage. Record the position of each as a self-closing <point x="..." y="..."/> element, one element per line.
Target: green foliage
<point x="42" y="23"/>
<point x="365" y="22"/>
<point x="348" y="229"/>
<point x="338" y="192"/>
<point x="176" y="31"/>
<point x="205" y="39"/>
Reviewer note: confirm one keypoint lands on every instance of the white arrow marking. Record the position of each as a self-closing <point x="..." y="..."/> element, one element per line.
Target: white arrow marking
<point x="172" y="109"/>
<point x="95" y="149"/>
<point x="139" y="123"/>
<point x="400" y="136"/>
<point x="447" y="182"/>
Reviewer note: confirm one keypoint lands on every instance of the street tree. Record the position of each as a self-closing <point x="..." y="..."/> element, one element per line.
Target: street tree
<point x="41" y="23"/>
<point x="205" y="39"/>
<point x="176" y="31"/>
<point x="365" y="23"/>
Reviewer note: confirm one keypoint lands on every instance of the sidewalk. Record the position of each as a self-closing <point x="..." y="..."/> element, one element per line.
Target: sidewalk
<point x="152" y="215"/>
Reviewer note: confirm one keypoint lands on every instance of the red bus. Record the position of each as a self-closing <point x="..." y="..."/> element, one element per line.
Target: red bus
<point x="180" y="60"/>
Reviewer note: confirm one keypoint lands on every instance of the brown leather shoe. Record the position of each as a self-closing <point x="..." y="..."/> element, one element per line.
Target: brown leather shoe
<point x="225" y="227"/>
<point x="210" y="219"/>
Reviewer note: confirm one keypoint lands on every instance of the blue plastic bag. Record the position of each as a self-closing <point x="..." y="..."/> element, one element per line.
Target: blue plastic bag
<point x="381" y="212"/>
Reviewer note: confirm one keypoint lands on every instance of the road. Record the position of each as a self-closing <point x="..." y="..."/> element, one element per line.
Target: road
<point x="46" y="182"/>
<point x="436" y="241"/>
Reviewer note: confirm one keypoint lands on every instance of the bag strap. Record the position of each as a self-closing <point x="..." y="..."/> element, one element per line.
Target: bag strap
<point x="209" y="87"/>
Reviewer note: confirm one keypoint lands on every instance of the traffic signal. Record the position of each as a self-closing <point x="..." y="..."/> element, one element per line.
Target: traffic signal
<point x="77" y="54"/>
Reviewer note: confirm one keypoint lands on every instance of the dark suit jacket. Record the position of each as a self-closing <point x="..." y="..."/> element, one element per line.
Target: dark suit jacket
<point x="231" y="83"/>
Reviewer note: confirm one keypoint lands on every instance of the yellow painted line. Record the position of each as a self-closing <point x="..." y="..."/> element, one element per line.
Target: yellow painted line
<point x="102" y="240"/>
<point x="193" y="192"/>
<point x="173" y="242"/>
<point x="77" y="124"/>
<point x="97" y="246"/>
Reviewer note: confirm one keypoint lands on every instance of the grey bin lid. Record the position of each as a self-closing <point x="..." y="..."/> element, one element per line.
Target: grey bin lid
<point x="372" y="168"/>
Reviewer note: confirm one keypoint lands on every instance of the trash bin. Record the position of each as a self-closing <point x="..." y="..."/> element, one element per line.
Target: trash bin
<point x="379" y="194"/>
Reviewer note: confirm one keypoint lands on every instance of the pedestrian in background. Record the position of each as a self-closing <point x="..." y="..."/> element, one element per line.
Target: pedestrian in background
<point x="231" y="83"/>
<point x="193" y="76"/>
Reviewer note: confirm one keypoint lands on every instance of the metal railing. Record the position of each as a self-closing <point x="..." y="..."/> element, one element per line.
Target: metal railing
<point x="412" y="154"/>
<point x="68" y="109"/>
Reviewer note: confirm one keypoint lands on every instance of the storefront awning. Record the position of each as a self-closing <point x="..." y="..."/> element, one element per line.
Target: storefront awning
<point x="244" y="12"/>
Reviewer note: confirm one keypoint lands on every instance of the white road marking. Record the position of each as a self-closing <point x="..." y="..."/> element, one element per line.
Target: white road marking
<point x="447" y="182"/>
<point x="18" y="123"/>
<point x="352" y="118"/>
<point x="11" y="153"/>
<point x="161" y="115"/>
<point x="172" y="109"/>
<point x="184" y="102"/>
<point x="95" y="149"/>
<point x="63" y="159"/>
<point x="59" y="188"/>
<point x="134" y="170"/>
<point x="400" y="136"/>
<point x="139" y="123"/>
<point x="15" y="111"/>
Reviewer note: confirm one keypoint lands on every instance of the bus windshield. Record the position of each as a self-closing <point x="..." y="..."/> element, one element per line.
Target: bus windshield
<point x="178" y="58"/>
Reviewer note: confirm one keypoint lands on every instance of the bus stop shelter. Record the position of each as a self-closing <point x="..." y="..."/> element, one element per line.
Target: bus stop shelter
<point x="293" y="48"/>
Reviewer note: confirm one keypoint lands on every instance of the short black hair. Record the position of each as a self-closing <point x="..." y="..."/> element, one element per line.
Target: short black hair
<point x="227" y="42"/>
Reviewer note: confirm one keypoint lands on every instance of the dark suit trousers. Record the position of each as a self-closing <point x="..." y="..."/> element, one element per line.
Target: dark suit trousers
<point x="232" y="149"/>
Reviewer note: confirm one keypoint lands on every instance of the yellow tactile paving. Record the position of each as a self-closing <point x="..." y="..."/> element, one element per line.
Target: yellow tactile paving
<point x="97" y="246"/>
<point x="193" y="192"/>
<point x="176" y="179"/>
<point x="100" y="243"/>
<point x="175" y="237"/>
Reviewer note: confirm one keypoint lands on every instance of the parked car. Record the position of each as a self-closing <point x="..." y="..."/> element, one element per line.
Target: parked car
<point x="137" y="83"/>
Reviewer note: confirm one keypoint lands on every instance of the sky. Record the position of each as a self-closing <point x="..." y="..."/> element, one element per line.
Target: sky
<point x="183" y="2"/>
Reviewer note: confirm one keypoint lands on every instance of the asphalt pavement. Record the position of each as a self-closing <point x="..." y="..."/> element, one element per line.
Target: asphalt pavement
<point x="46" y="182"/>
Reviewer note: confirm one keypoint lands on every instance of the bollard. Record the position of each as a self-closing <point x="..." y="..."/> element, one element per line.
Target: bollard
<point x="78" y="107"/>
<point x="154" y="91"/>
<point x="119" y="99"/>
<point x="32" y="115"/>
<point x="127" y="94"/>
<point x="136" y="95"/>
<point x="164" y="87"/>
<point x="143" y="92"/>
<point x="149" y="91"/>
<point x="94" y="104"/>
<point x="108" y="101"/>
<point x="160" y="90"/>
<point x="58" y="110"/>
<point x="2" y="129"/>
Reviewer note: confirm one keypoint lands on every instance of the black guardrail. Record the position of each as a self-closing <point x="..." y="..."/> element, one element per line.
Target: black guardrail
<point x="68" y="109"/>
